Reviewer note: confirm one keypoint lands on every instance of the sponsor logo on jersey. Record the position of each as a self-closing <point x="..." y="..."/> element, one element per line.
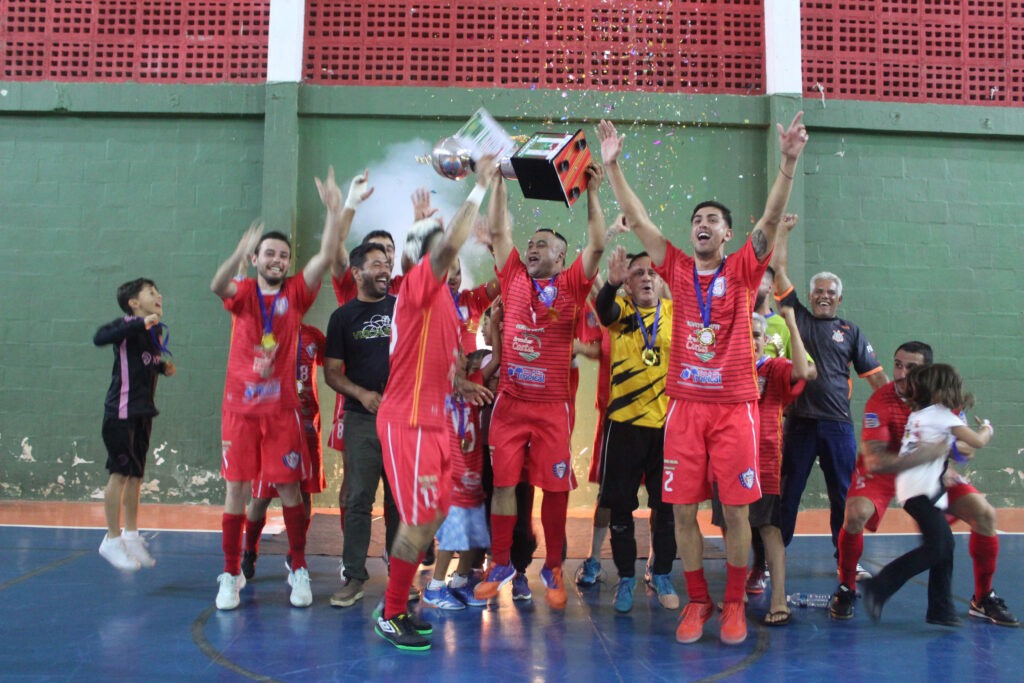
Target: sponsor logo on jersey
<point x="560" y="469"/>
<point x="261" y="392"/>
<point x="704" y="377"/>
<point x="527" y="346"/>
<point x="747" y="479"/>
<point x="525" y="375"/>
<point x="871" y="421"/>
<point x="838" y="337"/>
<point x="718" y="289"/>
<point x="282" y="306"/>
<point x="292" y="460"/>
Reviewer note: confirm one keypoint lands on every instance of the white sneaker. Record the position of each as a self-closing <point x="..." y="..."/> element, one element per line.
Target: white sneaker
<point x="227" y="594"/>
<point x="114" y="551"/>
<point x="862" y="573"/>
<point x="302" y="589"/>
<point x="137" y="547"/>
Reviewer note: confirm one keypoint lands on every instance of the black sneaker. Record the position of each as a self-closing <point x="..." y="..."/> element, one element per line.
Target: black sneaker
<point x="424" y="628"/>
<point x="841" y="606"/>
<point x="873" y="602"/>
<point x="249" y="564"/>
<point x="993" y="608"/>
<point x="401" y="633"/>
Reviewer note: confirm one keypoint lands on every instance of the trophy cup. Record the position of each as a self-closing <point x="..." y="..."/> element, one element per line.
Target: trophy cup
<point x="548" y="165"/>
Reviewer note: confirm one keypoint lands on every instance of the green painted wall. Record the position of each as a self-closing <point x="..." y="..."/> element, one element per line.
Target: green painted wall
<point x="913" y="206"/>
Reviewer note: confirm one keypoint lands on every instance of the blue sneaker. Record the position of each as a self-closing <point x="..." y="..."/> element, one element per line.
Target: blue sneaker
<point x="465" y="594"/>
<point x="624" y="594"/>
<point x="442" y="598"/>
<point x="589" y="573"/>
<point x="521" y="588"/>
<point x="499" y="575"/>
<point x="667" y="596"/>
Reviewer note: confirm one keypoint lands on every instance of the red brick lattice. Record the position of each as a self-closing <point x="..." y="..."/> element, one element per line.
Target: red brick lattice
<point x="937" y="51"/>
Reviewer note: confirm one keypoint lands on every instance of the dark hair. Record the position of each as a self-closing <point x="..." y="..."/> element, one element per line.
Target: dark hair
<point x="559" y="236"/>
<point x="130" y="290"/>
<point x="428" y="239"/>
<point x="917" y="347"/>
<point x="357" y="259"/>
<point x="634" y="257"/>
<point x="272" y="235"/>
<point x="937" y="384"/>
<point x="770" y="271"/>
<point x="726" y="213"/>
<point x="375" y="234"/>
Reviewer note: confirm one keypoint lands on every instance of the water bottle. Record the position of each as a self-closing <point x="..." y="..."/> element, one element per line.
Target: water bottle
<point x="808" y="600"/>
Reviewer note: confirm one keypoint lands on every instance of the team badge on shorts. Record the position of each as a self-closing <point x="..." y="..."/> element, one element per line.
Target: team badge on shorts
<point x="292" y="460"/>
<point x="560" y="468"/>
<point x="747" y="479"/>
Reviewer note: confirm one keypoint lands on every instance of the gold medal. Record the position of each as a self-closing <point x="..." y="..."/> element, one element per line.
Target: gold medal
<point x="269" y="342"/>
<point x="706" y="336"/>
<point x="649" y="357"/>
<point x="467" y="446"/>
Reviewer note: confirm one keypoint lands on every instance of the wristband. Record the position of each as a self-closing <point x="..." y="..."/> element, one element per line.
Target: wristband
<point x="784" y="173"/>
<point x="991" y="429"/>
<point x="355" y="191"/>
<point x="477" y="195"/>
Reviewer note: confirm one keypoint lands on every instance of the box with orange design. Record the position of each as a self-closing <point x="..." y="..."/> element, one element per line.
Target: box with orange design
<point x="553" y="166"/>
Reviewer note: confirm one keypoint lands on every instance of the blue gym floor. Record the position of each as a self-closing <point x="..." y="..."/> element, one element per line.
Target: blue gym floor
<point x="68" y="616"/>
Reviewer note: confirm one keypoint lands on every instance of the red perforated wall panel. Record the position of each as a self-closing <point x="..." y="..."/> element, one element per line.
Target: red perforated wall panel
<point x="939" y="51"/>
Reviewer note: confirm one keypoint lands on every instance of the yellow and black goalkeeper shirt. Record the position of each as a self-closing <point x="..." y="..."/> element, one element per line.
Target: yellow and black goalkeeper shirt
<point x="637" y="389"/>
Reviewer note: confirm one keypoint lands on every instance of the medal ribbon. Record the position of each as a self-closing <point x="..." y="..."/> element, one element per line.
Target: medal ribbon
<point x="458" y="311"/>
<point x="705" y="306"/>
<point x="762" y="360"/>
<point x="542" y="296"/>
<point x="298" y="358"/>
<point x="460" y="409"/>
<point x="648" y="340"/>
<point x="160" y="341"/>
<point x="268" y="321"/>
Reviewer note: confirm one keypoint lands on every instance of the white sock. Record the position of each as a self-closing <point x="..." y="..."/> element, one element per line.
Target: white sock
<point x="126" y="535"/>
<point x="435" y="584"/>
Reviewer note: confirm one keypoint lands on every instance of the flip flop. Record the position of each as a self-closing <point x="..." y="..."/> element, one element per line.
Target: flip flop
<point x="771" y="620"/>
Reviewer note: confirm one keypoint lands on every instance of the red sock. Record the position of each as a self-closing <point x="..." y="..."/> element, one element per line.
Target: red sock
<point x="697" y="586"/>
<point x="396" y="595"/>
<point x="232" y="527"/>
<point x="735" y="581"/>
<point x="253" y="529"/>
<point x="502" y="527"/>
<point x="984" y="550"/>
<point x="552" y="518"/>
<point x="295" y="525"/>
<point x="851" y="547"/>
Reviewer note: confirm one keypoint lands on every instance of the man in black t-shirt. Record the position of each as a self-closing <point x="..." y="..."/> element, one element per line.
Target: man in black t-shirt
<point x="356" y="366"/>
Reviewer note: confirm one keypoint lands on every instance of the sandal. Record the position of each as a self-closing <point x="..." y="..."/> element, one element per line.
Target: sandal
<point x="778" y="618"/>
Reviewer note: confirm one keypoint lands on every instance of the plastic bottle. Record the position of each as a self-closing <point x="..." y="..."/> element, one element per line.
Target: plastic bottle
<point x="808" y="600"/>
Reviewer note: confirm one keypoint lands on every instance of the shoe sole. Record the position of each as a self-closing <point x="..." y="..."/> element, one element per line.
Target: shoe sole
<point x="669" y="601"/>
<point x="840" y="617"/>
<point x="975" y="614"/>
<point x="733" y="640"/>
<point x="485" y="590"/>
<point x="697" y="636"/>
<point x="407" y="648"/>
<point x="301" y="603"/>
<point x="347" y="603"/>
<point x="556" y="599"/>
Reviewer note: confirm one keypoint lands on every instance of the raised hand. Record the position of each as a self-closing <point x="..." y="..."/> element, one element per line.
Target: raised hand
<point x="618" y="266"/>
<point x="421" y="204"/>
<point x="486" y="169"/>
<point x="330" y="193"/>
<point x="611" y="142"/>
<point x="251" y="237"/>
<point x="793" y="139"/>
<point x="789" y="221"/>
<point x="595" y="176"/>
<point x="358" y="191"/>
<point x="618" y="227"/>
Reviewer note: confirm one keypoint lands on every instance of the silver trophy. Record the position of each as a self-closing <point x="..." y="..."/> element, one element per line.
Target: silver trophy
<point x="454" y="157"/>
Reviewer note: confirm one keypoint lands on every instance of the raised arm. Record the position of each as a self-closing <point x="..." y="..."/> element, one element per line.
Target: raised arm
<point x="498" y="224"/>
<point x="607" y="309"/>
<point x="337" y="224"/>
<point x="443" y="255"/>
<point x="780" y="257"/>
<point x="975" y="438"/>
<point x="223" y="284"/>
<point x="803" y="368"/>
<point x="791" y="143"/>
<point x="596" y="228"/>
<point x="637" y="217"/>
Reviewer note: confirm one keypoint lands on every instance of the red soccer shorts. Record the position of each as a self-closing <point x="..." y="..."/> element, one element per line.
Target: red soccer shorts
<point x="316" y="483"/>
<point x="271" y="447"/>
<point x="880" y="489"/>
<point x="711" y="442"/>
<point x="417" y="464"/>
<point x="533" y="435"/>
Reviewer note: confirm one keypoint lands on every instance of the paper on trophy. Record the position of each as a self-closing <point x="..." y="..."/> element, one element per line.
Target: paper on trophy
<point x="483" y="136"/>
<point x="544" y="145"/>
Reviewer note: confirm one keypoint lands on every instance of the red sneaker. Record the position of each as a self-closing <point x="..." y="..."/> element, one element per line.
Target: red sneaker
<point x="756" y="581"/>
<point x="555" y="594"/>
<point x="734" y="623"/>
<point x="692" y="620"/>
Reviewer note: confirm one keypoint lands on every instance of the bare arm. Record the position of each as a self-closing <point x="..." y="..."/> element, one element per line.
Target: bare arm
<point x="974" y="438"/>
<point x="334" y="375"/>
<point x="637" y="217"/>
<point x="791" y="143"/>
<point x="880" y="460"/>
<point x="591" y="350"/>
<point x="780" y="257"/>
<point x="337" y="224"/>
<point x="223" y="284"/>
<point x="443" y="255"/>
<point x="596" y="228"/>
<point x="803" y="368"/>
<point x="497" y="223"/>
<point x="877" y="380"/>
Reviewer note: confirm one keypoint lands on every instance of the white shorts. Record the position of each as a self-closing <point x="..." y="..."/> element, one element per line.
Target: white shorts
<point x="464" y="529"/>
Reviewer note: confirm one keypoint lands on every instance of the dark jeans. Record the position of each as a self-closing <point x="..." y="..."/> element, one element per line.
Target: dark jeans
<point x="364" y="471"/>
<point x="935" y="553"/>
<point x="834" y="445"/>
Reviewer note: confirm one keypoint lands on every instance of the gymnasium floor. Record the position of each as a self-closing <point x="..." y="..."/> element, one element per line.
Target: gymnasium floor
<point x="69" y="616"/>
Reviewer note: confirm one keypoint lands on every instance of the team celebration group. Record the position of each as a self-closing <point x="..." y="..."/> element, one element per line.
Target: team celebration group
<point x="704" y="393"/>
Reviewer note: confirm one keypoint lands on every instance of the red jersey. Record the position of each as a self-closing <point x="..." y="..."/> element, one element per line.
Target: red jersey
<point x="885" y="420"/>
<point x="310" y="354"/>
<point x="537" y="338"/>
<point x="467" y="453"/>
<point x="424" y="348"/>
<point x="721" y="372"/>
<point x="775" y="383"/>
<point x="261" y="382"/>
<point x="471" y="304"/>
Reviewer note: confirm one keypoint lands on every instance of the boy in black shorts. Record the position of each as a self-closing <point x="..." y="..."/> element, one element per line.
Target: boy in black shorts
<point x="139" y="341"/>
